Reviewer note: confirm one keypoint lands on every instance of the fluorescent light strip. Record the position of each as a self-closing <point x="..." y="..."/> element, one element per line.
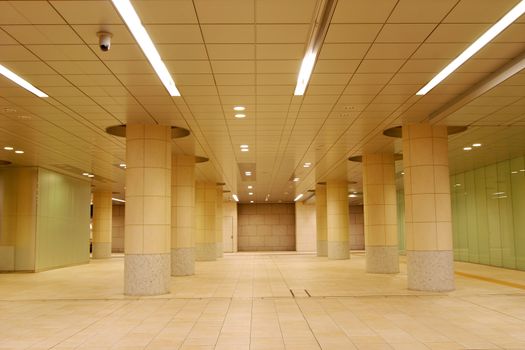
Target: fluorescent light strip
<point x="22" y="82"/>
<point x="134" y="24"/>
<point x="235" y="198"/>
<point x="307" y="68"/>
<point x="298" y="197"/>
<point x="477" y="45"/>
<point x="118" y="200"/>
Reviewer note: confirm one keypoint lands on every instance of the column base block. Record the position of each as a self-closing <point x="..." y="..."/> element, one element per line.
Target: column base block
<point x="101" y="250"/>
<point x="322" y="248"/>
<point x="382" y="259"/>
<point x="338" y="250"/>
<point x="147" y="274"/>
<point x="205" y="252"/>
<point x="183" y="261"/>
<point x="431" y="271"/>
<point x="219" y="250"/>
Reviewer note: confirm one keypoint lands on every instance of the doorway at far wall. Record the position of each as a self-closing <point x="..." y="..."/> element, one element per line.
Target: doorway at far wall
<point x="227" y="234"/>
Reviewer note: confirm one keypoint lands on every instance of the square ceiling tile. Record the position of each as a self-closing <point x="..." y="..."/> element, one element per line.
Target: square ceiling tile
<point x="225" y="11"/>
<point x="421" y="11"/>
<point x="165" y="11"/>
<point x="175" y="33"/>
<point x="363" y="11"/>
<point x="87" y="12"/>
<point x="285" y="11"/>
<point x="231" y="51"/>
<point x="352" y="33"/>
<point x="405" y="33"/>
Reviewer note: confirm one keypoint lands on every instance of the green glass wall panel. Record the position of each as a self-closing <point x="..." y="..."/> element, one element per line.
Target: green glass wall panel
<point x="488" y="214"/>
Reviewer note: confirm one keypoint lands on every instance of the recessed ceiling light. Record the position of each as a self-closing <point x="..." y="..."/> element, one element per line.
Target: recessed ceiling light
<point x="307" y="165"/>
<point x="118" y="200"/>
<point x="19" y="151"/>
<point x="23" y="83"/>
<point x="522" y="170"/>
<point x="402" y="173"/>
<point x="235" y="198"/>
<point x="244" y="146"/>
<point x="122" y="165"/>
<point x="468" y="148"/>
<point x="85" y="174"/>
<point x="128" y="14"/>
<point x="352" y="195"/>
<point x="250" y="193"/>
<point x="470" y="51"/>
<point x="298" y="197"/>
<point x="250" y="187"/>
<point x="514" y="172"/>
<point x="240" y="115"/>
<point x="8" y="148"/>
<point x="251" y="201"/>
<point x="91" y="175"/>
<point x="239" y="108"/>
<point x="296" y="179"/>
<point x="476" y="145"/>
<point x="244" y="149"/>
<point x="248" y="173"/>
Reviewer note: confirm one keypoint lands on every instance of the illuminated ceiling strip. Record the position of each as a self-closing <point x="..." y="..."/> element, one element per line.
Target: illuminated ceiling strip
<point x="20" y="81"/>
<point x="235" y="198"/>
<point x="134" y="24"/>
<point x="318" y="33"/>
<point x="118" y="200"/>
<point x="298" y="197"/>
<point x="477" y="45"/>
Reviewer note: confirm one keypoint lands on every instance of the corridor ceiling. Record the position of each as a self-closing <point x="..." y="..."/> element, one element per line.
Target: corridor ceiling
<point x="223" y="53"/>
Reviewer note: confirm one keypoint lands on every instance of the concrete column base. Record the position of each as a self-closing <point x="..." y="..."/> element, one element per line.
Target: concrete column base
<point x="205" y="252"/>
<point x="147" y="274"/>
<point x="431" y="271"/>
<point x="322" y="249"/>
<point x="338" y="250"/>
<point x="183" y="261"/>
<point x="382" y="259"/>
<point x="219" y="250"/>
<point x="101" y="250"/>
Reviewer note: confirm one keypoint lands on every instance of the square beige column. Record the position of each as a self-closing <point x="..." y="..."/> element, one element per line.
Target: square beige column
<point x="102" y="224"/>
<point x="320" y="217"/>
<point x="218" y="222"/>
<point x="205" y="207"/>
<point x="148" y="209"/>
<point x="182" y="215"/>
<point x="380" y="208"/>
<point x="427" y="208"/>
<point x="337" y="219"/>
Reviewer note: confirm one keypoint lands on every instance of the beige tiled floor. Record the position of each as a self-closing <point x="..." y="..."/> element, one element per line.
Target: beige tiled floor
<point x="243" y="301"/>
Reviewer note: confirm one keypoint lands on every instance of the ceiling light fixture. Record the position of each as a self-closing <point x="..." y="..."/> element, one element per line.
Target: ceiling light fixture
<point x="19" y="151"/>
<point x="298" y="197"/>
<point x="244" y="146"/>
<point x="352" y="195"/>
<point x="483" y="40"/>
<point x="122" y="165"/>
<point x="85" y="174"/>
<point x="235" y="198"/>
<point x="476" y="145"/>
<point x="248" y="173"/>
<point x="244" y="149"/>
<point x="250" y="193"/>
<point x="134" y="24"/>
<point x="8" y="148"/>
<point x="240" y="115"/>
<point x="251" y="202"/>
<point x="118" y="200"/>
<point x="468" y="148"/>
<point x="296" y="179"/>
<point x="239" y="108"/>
<point x="250" y="187"/>
<point x="317" y="35"/>
<point x="20" y="81"/>
<point x="307" y="165"/>
<point x="91" y="175"/>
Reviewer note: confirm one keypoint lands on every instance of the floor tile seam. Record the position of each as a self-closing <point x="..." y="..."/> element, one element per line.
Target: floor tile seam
<point x="196" y="321"/>
<point x="223" y="321"/>
<point x="491" y="310"/>
<point x="91" y="324"/>
<point x="168" y="322"/>
<point x="312" y="331"/>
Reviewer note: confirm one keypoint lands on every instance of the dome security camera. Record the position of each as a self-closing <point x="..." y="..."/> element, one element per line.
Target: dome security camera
<point x="104" y="40"/>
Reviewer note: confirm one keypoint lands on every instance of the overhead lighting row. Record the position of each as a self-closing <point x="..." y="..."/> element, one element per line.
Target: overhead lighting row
<point x="86" y="174"/>
<point x="245" y="148"/>
<point x="10" y="148"/>
<point x="469" y="148"/>
<point x="239" y="109"/>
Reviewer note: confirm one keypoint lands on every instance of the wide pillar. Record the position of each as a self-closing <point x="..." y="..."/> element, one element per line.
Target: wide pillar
<point x="218" y="222"/>
<point x="379" y="196"/>
<point x="205" y="207"/>
<point x="337" y="219"/>
<point x="102" y="225"/>
<point x="148" y="206"/>
<point x="182" y="215"/>
<point x="427" y="208"/>
<point x="320" y="216"/>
